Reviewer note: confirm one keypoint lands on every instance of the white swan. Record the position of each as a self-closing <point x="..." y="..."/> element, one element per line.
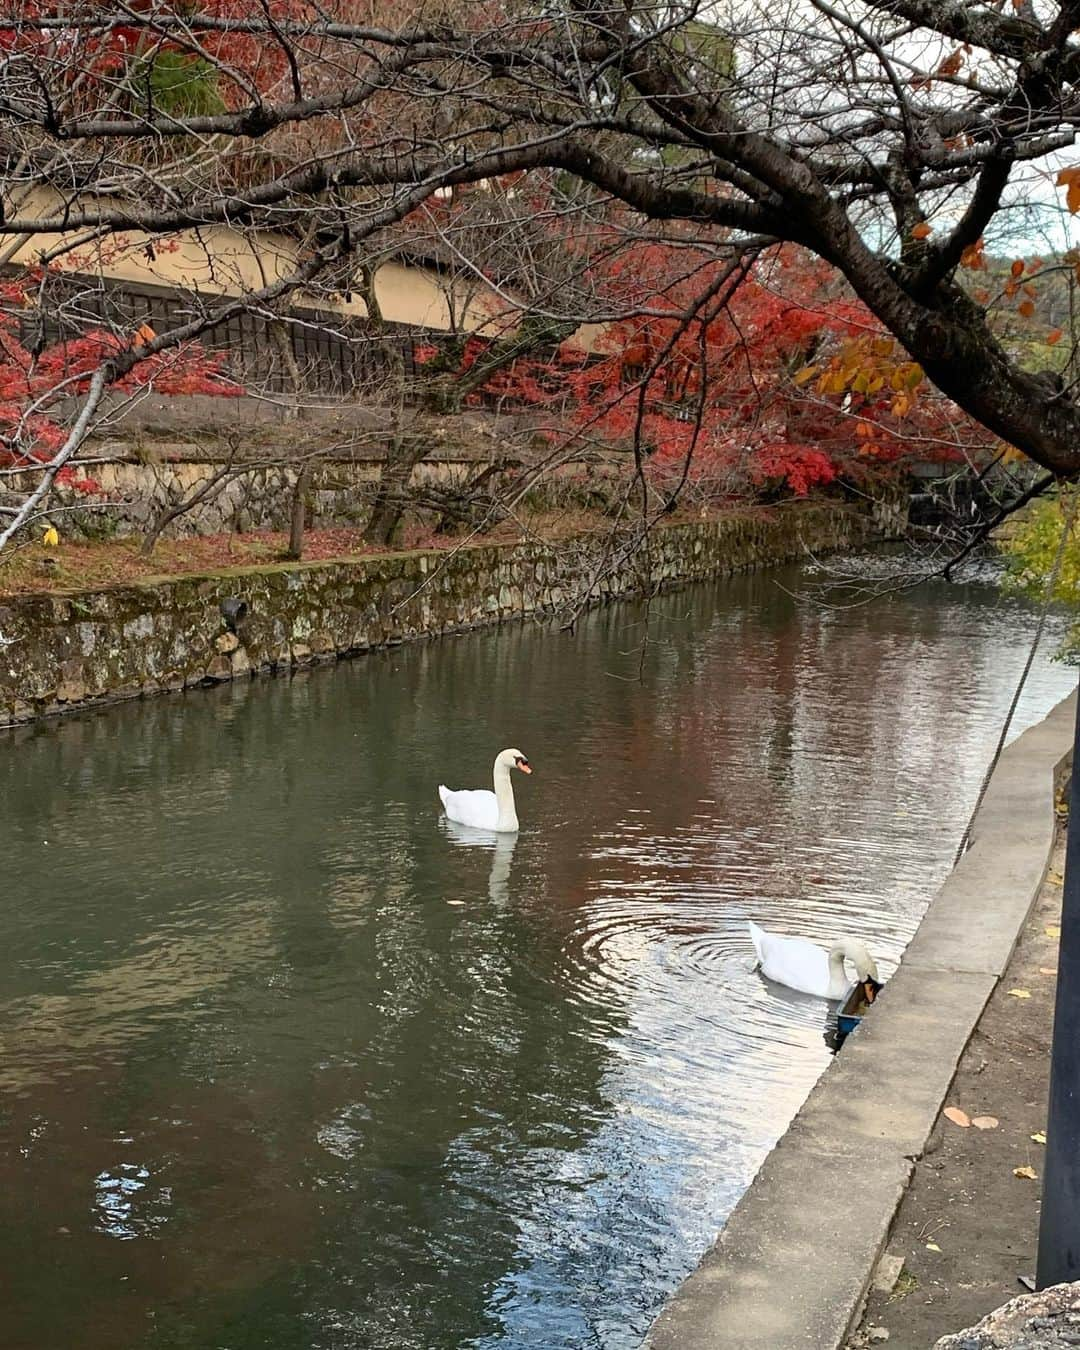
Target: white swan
<point x="804" y="966"/>
<point x="485" y="810"/>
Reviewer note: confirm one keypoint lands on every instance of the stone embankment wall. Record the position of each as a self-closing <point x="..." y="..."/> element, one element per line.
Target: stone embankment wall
<point x="133" y="493"/>
<point x="64" y="651"/>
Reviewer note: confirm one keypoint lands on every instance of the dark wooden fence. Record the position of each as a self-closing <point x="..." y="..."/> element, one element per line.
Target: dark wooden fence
<point x="334" y="354"/>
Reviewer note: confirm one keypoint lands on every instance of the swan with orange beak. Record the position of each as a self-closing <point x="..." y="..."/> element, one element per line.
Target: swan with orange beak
<point x="485" y="810"/>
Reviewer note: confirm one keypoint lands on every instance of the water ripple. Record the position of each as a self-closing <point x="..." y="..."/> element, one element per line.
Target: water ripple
<point x="289" y="1060"/>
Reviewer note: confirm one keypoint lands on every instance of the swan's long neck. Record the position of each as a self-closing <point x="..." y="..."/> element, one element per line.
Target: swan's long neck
<point x="504" y="796"/>
<point x="838" y="981"/>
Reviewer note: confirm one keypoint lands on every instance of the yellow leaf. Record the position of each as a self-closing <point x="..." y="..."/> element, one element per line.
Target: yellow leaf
<point x="1019" y="993"/>
<point x="985" y="1122"/>
<point x="922" y="230"/>
<point x="1053" y="930"/>
<point x="1038" y="1137"/>
<point x="1055" y="878"/>
<point x="50" y="538"/>
<point x="914" y="376"/>
<point x="957" y="1116"/>
<point x="1048" y="970"/>
<point x="805" y="375"/>
<point x="1028" y="1173"/>
<point x="932" y="1247"/>
<point x="882" y="346"/>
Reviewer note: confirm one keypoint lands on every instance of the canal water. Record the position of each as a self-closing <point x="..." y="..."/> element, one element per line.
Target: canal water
<point x="288" y="1063"/>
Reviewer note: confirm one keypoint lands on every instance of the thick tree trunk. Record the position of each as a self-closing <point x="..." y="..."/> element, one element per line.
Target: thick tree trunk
<point x="298" y="514"/>
<point x="298" y="518"/>
<point x="387" y="511"/>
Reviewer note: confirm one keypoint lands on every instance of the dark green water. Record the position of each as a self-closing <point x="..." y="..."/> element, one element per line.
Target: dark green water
<point x="287" y="1064"/>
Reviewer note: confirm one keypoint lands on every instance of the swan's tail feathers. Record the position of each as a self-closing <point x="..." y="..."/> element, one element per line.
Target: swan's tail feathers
<point x="444" y="792"/>
<point x="756" y="936"/>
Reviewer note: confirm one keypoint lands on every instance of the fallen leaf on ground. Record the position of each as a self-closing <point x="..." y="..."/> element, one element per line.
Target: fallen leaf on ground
<point x="455" y="902"/>
<point x="1039" y="1137"/>
<point x="957" y="1116"/>
<point x="1019" y="993"/>
<point x="1048" y="970"/>
<point x="985" y="1122"/>
<point x="1055" y="878"/>
<point x="932" y="1247"/>
<point x="1027" y="1172"/>
<point x="1053" y="930"/>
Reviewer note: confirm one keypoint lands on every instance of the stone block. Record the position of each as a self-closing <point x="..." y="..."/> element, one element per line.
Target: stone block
<point x="1031" y="1322"/>
<point x="220" y="668"/>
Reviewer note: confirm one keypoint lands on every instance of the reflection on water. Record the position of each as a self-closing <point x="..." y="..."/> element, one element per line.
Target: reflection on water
<point x="290" y="1060"/>
<point x="500" y="846"/>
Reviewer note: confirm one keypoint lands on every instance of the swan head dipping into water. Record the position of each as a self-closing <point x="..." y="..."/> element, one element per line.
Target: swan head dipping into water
<point x="806" y="967"/>
<point x="485" y="810"/>
<point x="866" y="971"/>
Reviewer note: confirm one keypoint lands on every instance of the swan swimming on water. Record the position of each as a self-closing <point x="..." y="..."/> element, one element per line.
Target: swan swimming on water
<point x="485" y="810"/>
<point x="805" y="966"/>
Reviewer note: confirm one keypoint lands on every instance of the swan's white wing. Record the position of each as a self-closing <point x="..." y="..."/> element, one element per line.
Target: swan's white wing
<point x="471" y="806"/>
<point x="799" y="964"/>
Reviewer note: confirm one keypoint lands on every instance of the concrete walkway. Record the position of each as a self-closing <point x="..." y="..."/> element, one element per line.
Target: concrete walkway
<point x="791" y="1269"/>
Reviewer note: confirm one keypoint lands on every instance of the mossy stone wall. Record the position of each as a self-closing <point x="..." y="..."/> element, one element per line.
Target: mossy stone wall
<point x="60" y="652"/>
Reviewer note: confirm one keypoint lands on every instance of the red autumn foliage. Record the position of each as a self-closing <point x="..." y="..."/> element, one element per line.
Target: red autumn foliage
<point x="791" y="382"/>
<point x="32" y="384"/>
<point x="97" y="59"/>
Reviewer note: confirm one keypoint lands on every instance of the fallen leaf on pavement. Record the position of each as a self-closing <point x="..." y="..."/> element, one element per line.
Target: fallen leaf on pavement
<point x="957" y="1116"/>
<point x="1048" y="970"/>
<point x="1039" y="1137"/>
<point x="932" y="1247"/>
<point x="1055" y="878"/>
<point x="1027" y="1172"/>
<point x="1019" y="993"/>
<point x="1053" y="930"/>
<point x="985" y="1122"/>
